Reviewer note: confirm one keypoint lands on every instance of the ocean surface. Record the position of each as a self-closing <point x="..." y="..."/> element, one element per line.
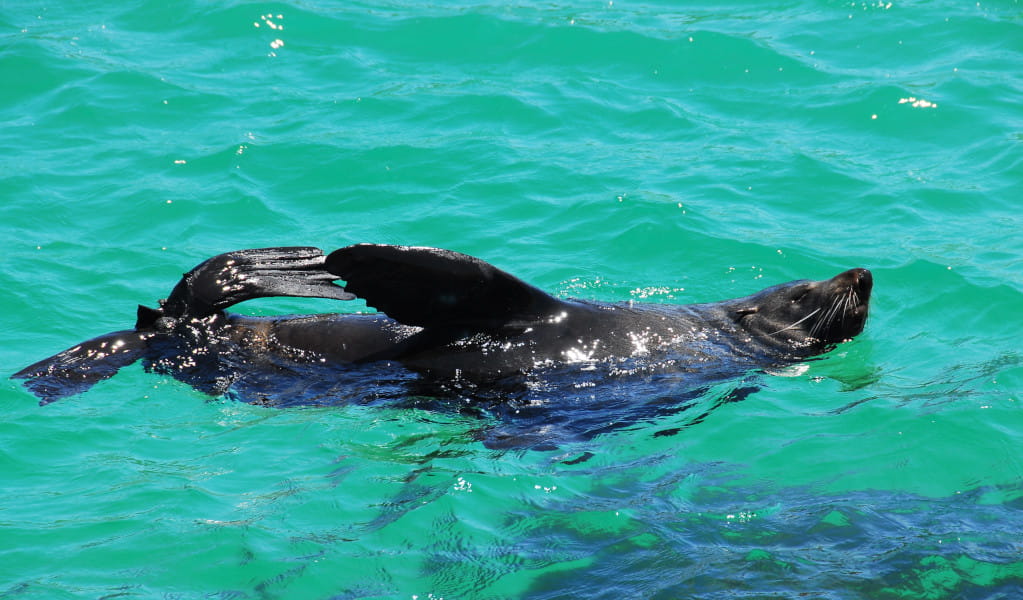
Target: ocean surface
<point x="655" y="151"/>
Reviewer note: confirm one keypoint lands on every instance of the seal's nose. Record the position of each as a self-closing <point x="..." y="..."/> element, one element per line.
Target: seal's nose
<point x="860" y="281"/>
<point x="863" y="281"/>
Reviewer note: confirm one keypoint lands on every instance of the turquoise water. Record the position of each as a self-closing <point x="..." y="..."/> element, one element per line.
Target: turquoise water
<point x="666" y="152"/>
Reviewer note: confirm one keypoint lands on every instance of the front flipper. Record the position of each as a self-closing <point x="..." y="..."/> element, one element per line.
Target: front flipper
<point x="430" y="287"/>
<point x="234" y="277"/>
<point x="77" y="369"/>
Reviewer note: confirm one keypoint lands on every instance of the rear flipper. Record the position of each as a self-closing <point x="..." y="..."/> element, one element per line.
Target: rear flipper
<point x="234" y="277"/>
<point x="77" y="369"/>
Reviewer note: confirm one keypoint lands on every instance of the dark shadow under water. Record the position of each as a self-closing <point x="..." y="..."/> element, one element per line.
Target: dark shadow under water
<point x="794" y="542"/>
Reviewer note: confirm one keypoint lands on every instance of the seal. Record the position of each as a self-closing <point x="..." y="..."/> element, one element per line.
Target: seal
<point x="441" y="315"/>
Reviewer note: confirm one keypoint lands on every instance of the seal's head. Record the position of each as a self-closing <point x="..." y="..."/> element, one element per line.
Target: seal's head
<point x="808" y="315"/>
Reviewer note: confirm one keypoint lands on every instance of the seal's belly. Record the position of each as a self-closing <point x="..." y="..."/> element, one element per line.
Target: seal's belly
<point x="586" y="333"/>
<point x="610" y="333"/>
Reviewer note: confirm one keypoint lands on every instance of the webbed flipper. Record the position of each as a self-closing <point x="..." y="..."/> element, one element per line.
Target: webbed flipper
<point x="234" y="277"/>
<point x="77" y="369"/>
<point x="434" y="288"/>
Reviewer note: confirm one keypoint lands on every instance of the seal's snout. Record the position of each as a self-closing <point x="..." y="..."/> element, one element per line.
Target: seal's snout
<point x="863" y="282"/>
<point x="860" y="281"/>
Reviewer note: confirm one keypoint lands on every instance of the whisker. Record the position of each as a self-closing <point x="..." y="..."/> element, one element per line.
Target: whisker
<point x="815" y="311"/>
<point x="840" y="308"/>
<point x="829" y="317"/>
<point x="851" y="301"/>
<point x="847" y="302"/>
<point x="845" y="307"/>
<point x="821" y="321"/>
<point x="840" y="302"/>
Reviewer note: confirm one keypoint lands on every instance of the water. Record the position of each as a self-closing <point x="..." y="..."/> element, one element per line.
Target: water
<point x="650" y="151"/>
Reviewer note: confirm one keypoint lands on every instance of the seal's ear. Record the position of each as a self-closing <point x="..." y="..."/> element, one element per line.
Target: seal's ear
<point x="744" y="311"/>
<point x="78" y="368"/>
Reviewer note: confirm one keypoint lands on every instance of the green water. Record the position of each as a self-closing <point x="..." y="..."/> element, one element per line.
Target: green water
<point x="667" y="152"/>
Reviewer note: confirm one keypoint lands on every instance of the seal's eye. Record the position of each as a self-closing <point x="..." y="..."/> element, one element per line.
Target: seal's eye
<point x="799" y="296"/>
